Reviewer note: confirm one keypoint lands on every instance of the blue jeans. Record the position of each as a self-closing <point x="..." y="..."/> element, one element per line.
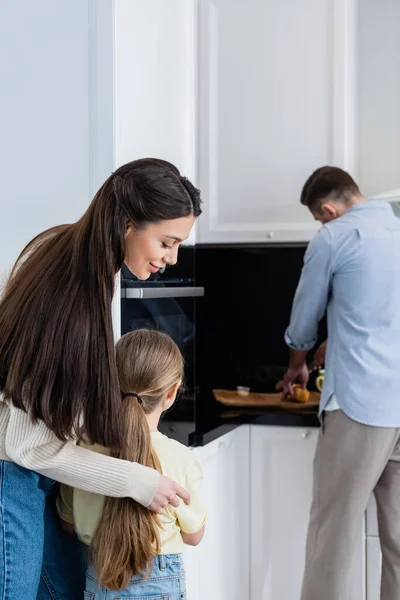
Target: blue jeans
<point x="165" y="582"/>
<point x="38" y="560"/>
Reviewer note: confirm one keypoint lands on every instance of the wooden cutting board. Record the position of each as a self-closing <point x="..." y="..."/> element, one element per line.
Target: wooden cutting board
<point x="255" y="400"/>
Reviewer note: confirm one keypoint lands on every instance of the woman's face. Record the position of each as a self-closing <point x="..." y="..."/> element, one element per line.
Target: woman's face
<point x="149" y="249"/>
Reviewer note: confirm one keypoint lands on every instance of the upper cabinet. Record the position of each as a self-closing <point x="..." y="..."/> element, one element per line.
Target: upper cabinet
<point x="378" y="83"/>
<point x="284" y="88"/>
<point x="274" y="101"/>
<point x="246" y="97"/>
<point x="88" y="85"/>
<point x="155" y="82"/>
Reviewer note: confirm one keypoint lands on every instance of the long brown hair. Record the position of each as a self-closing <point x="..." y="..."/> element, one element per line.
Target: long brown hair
<point x="150" y="365"/>
<point x="57" y="359"/>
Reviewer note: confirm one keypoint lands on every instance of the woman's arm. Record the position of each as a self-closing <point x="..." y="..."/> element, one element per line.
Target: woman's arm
<point x="35" y="447"/>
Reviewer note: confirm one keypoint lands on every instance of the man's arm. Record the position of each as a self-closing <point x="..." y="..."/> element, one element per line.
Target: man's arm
<point x="309" y="306"/>
<point x="319" y="356"/>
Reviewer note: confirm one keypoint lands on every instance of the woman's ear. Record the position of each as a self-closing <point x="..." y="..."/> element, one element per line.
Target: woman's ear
<point x="128" y="228"/>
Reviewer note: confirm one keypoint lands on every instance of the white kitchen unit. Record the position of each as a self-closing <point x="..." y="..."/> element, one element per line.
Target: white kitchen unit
<point x="218" y="569"/>
<point x="374" y="568"/>
<point x="155" y="82"/>
<point x="257" y="487"/>
<point x="281" y="465"/>
<point x="276" y="101"/>
<point x="378" y="84"/>
<point x="373" y="551"/>
<point x="88" y="85"/>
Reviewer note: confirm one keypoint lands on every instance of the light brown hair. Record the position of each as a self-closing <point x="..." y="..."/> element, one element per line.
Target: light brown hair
<point x="126" y="540"/>
<point x="57" y="359"/>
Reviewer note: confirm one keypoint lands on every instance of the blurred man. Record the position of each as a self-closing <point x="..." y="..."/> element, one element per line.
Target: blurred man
<point x="352" y="270"/>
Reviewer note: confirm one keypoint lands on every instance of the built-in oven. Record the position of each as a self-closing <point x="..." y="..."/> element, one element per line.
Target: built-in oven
<point x="167" y="302"/>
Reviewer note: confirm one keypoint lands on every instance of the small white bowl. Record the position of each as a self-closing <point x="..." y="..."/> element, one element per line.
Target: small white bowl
<point x="242" y="390"/>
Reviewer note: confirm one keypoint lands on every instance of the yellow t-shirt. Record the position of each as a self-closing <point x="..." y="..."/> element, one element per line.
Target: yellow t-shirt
<point x="84" y="509"/>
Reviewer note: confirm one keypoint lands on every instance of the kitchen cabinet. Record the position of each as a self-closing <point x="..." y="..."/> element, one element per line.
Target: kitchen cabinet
<point x="155" y="82"/>
<point x="257" y="487"/>
<point x="378" y="116"/>
<point x="218" y="568"/>
<point x="88" y="85"/>
<point x="373" y="552"/>
<point x="276" y="101"/>
<point x="281" y="465"/>
<point x="374" y="568"/>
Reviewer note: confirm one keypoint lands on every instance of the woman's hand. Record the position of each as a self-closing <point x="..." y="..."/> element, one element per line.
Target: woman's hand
<point x="168" y="492"/>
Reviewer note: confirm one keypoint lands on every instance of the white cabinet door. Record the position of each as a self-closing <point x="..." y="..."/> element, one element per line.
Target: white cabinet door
<point x="374" y="568"/>
<point x="356" y="587"/>
<point x="154" y="83"/>
<point x="378" y="116"/>
<point x="372" y="518"/>
<point x="281" y="490"/>
<point x="374" y="554"/>
<point x="218" y="569"/>
<point x="281" y="461"/>
<point x="275" y="103"/>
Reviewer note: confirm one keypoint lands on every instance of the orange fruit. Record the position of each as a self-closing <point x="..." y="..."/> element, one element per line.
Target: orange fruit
<point x="300" y="394"/>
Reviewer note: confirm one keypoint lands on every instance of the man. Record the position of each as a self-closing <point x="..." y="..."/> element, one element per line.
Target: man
<point x="352" y="269"/>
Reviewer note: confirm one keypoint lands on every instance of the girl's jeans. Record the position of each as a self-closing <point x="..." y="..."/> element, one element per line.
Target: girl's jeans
<point x="165" y="582"/>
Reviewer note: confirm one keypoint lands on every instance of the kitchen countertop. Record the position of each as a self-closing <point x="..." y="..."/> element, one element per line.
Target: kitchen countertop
<point x="215" y="426"/>
<point x="213" y="420"/>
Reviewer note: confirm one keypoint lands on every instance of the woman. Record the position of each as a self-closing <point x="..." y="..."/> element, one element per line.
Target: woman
<point x="58" y="376"/>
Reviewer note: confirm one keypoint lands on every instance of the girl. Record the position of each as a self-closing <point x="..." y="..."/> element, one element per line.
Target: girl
<point x="58" y="375"/>
<point x="136" y="553"/>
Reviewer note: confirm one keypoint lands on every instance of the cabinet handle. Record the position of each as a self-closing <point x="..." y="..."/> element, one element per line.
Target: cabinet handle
<point x="305" y="435"/>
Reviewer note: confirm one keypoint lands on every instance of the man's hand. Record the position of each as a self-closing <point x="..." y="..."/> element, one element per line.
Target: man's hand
<point x="168" y="492"/>
<point x="295" y="374"/>
<point x="319" y="356"/>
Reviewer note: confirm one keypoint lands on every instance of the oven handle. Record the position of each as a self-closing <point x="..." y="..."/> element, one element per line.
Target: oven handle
<point x="163" y="292"/>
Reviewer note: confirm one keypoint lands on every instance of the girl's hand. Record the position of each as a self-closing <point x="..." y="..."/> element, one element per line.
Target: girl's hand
<point x="168" y="492"/>
<point x="68" y="527"/>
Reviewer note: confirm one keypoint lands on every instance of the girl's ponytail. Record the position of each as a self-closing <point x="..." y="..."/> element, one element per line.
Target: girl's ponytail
<point x="126" y="540"/>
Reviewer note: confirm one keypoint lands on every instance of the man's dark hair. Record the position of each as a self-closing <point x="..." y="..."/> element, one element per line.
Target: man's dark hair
<point x="328" y="184"/>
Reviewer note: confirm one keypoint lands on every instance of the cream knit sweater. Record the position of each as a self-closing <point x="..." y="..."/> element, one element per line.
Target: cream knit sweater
<point x="35" y="447"/>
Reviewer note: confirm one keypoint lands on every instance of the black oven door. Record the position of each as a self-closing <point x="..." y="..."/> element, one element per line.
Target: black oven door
<point x="170" y="309"/>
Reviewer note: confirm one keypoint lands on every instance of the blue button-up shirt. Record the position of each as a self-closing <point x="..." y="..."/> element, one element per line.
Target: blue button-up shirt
<point x="352" y="269"/>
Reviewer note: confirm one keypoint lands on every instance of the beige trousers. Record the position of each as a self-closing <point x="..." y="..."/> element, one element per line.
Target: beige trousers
<point x="352" y="461"/>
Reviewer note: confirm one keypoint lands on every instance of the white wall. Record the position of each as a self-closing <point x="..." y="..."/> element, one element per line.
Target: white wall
<point x="53" y="96"/>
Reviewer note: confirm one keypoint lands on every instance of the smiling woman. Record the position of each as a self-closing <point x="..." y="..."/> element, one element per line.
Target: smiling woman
<point x="155" y="245"/>
<point x="58" y="376"/>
